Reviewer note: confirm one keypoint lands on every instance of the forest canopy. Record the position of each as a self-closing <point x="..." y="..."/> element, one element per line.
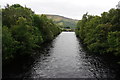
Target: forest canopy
<point x="101" y="34"/>
<point x="23" y="31"/>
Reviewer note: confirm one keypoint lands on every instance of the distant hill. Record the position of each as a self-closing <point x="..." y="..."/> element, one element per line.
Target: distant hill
<point x="63" y="21"/>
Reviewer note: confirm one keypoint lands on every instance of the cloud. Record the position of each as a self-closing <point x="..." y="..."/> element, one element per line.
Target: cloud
<point x="69" y="8"/>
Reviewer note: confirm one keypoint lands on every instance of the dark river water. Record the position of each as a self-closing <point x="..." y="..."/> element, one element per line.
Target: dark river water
<point x="65" y="58"/>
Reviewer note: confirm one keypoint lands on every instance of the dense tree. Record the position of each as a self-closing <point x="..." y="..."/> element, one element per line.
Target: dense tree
<point x="24" y="31"/>
<point x="8" y="45"/>
<point x="114" y="43"/>
<point x="23" y="34"/>
<point x="12" y="13"/>
<point x="101" y="34"/>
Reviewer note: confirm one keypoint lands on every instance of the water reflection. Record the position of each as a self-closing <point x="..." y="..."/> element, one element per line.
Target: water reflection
<point x="66" y="59"/>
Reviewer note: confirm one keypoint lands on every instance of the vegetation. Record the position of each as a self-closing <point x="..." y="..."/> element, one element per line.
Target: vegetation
<point x="24" y="31"/>
<point x="64" y="22"/>
<point x="101" y="34"/>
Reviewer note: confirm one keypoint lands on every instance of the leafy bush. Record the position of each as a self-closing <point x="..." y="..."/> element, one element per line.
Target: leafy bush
<point x="24" y="31"/>
<point x="101" y="34"/>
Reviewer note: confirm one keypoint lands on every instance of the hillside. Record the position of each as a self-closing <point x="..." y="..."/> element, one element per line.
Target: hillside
<point x="63" y="21"/>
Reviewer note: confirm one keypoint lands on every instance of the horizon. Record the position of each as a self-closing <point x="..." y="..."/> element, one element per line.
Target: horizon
<point x="69" y="9"/>
<point x="60" y="16"/>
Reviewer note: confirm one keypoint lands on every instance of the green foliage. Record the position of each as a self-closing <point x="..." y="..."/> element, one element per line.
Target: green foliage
<point x="114" y="42"/>
<point x="8" y="45"/>
<point x="12" y="13"/>
<point x="24" y="31"/>
<point x="48" y="29"/>
<point x="23" y="34"/>
<point x="63" y="21"/>
<point x="101" y="34"/>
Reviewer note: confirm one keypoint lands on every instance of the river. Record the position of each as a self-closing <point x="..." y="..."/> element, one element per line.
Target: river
<point x="65" y="58"/>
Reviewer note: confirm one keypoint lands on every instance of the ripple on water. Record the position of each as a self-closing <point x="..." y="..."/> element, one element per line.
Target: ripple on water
<point x="65" y="58"/>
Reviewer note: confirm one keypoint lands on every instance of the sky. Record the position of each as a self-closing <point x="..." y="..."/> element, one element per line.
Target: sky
<point x="69" y="8"/>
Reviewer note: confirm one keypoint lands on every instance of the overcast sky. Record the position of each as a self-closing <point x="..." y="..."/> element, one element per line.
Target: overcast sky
<point x="68" y="8"/>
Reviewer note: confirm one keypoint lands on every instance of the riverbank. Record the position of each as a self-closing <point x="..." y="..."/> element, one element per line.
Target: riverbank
<point x="23" y="35"/>
<point x="19" y="66"/>
<point x="63" y="58"/>
<point x="108" y="59"/>
<point x="101" y="34"/>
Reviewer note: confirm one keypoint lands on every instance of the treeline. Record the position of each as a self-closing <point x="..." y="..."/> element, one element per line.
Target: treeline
<point x="23" y="31"/>
<point x="101" y="34"/>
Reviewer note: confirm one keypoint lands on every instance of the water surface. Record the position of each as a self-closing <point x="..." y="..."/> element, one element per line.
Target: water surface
<point x="65" y="58"/>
